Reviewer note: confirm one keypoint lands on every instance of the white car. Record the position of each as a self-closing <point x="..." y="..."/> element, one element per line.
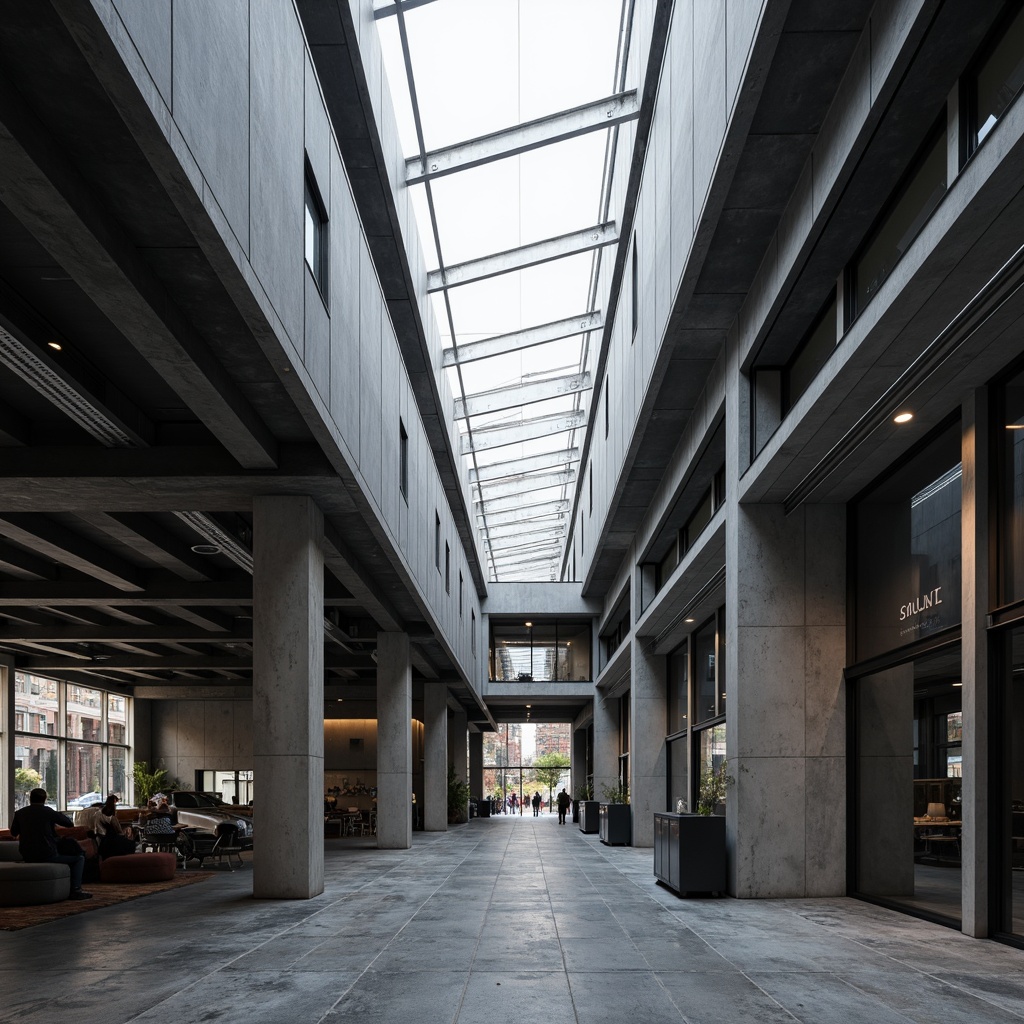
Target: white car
<point x="199" y="810"/>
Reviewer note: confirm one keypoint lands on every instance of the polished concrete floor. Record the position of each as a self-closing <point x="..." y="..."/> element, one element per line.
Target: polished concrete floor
<point x="501" y="920"/>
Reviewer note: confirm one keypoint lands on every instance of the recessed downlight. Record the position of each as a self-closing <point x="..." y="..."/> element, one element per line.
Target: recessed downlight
<point x="55" y="345"/>
<point x="903" y="417"/>
<point x="206" y="549"/>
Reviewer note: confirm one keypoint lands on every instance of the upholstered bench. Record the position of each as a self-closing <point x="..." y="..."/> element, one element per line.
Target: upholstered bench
<point x="26" y="885"/>
<point x="139" y="867"/>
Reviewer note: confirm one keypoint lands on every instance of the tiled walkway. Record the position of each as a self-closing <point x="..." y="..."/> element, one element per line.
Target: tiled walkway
<point x="515" y="920"/>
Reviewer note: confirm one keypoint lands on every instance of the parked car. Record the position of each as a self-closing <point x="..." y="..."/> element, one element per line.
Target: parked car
<point x="86" y="800"/>
<point x="202" y="811"/>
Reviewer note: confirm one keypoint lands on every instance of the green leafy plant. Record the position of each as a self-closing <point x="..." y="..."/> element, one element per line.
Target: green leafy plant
<point x="585" y="791"/>
<point x="147" y="783"/>
<point x="548" y="770"/>
<point x="617" y="794"/>
<point x="713" y="784"/>
<point x="26" y="779"/>
<point x="458" y="798"/>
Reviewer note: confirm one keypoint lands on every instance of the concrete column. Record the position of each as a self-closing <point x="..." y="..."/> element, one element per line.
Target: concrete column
<point x="977" y="740"/>
<point x="394" y="742"/>
<point x="7" y="739"/>
<point x="288" y="697"/>
<point x="648" y="724"/>
<point x="458" y="733"/>
<point x="786" y="717"/>
<point x="606" y="742"/>
<point x="435" y="757"/>
<point x="476" y="765"/>
<point x="579" y="760"/>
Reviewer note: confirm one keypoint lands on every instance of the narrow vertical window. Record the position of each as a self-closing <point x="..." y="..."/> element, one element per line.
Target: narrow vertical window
<point x="437" y="542"/>
<point x="472" y="632"/>
<point x="606" y="407"/>
<point x="403" y="461"/>
<point x="590" y="479"/>
<point x="460" y="593"/>
<point x="636" y="289"/>
<point x="316" y="233"/>
<point x="447" y="568"/>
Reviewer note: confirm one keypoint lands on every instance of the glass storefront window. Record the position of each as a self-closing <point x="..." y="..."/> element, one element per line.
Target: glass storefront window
<point x="117" y="718"/>
<point x="908" y="550"/>
<point x="810" y="357"/>
<point x="998" y="81"/>
<point x="678" y="686"/>
<point x="84" y="774"/>
<point x="1008" y="806"/>
<point x="35" y="765"/>
<point x="711" y="754"/>
<point x="907" y="833"/>
<point x="36" y="705"/>
<point x="84" y="711"/>
<point x="901" y="224"/>
<point x="1011" y="500"/>
<point x="704" y="680"/>
<point x="540" y="651"/>
<point x="678" y="774"/>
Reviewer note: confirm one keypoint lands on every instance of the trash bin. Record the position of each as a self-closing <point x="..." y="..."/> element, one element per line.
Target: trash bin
<point x="483" y="808"/>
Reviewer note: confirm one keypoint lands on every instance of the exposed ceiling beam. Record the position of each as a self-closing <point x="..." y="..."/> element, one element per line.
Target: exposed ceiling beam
<point x="519" y="515"/>
<point x="516" y="467"/>
<point x="18" y="562"/>
<point x="515" y="529"/>
<point x="525" y="500"/>
<point x="333" y="658"/>
<point x="114" y="634"/>
<point x="521" y="138"/>
<point x="390" y="7"/>
<point x="538" y="559"/>
<point x="524" y="256"/>
<point x="146" y="536"/>
<point x="160" y="589"/>
<point x="525" y="484"/>
<point x="42" y="188"/>
<point x="214" y="534"/>
<point x="518" y="340"/>
<point x="512" y="545"/>
<point x="54" y="540"/>
<point x="499" y="399"/>
<point x="358" y="581"/>
<point x="526" y="430"/>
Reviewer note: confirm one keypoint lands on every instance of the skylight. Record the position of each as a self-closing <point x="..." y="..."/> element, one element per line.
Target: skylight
<point x="505" y="111"/>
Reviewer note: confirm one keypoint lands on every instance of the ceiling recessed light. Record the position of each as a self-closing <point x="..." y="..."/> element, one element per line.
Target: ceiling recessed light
<point x="206" y="549"/>
<point x="55" y="345"/>
<point x="903" y="417"/>
<point x="529" y="625"/>
<point x="529" y="705"/>
<point x="688" y="620"/>
<point x="958" y="684"/>
<point x="1015" y="426"/>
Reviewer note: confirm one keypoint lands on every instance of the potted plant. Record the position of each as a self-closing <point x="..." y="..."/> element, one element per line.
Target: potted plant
<point x="584" y="792"/>
<point x="588" y="810"/>
<point x="615" y="816"/>
<point x="458" y="798"/>
<point x="689" y="849"/>
<point x="147" y="783"/>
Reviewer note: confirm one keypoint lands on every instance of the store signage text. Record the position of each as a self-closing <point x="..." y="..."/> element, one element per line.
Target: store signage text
<point x="920" y="604"/>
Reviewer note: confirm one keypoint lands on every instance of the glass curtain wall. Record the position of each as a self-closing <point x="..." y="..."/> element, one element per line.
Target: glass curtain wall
<point x="677" y="741"/>
<point x="72" y="740"/>
<point x="540" y="651"/>
<point x="523" y="758"/>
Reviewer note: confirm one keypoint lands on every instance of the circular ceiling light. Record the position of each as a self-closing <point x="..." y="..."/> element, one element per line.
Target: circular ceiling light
<point x="903" y="417"/>
<point x="206" y="549"/>
<point x="55" y="345"/>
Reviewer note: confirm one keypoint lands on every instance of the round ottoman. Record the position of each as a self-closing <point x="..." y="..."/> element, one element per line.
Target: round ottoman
<point x="26" y="885"/>
<point x="139" y="867"/>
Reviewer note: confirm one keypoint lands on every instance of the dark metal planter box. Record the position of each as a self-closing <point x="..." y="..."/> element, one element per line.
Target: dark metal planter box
<point x="616" y="828"/>
<point x="689" y="852"/>
<point x="588" y="816"/>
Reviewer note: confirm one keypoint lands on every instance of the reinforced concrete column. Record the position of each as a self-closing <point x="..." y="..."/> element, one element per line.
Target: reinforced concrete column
<point x="977" y="740"/>
<point x="394" y="742"/>
<point x="606" y="743"/>
<point x="476" y="765"/>
<point x="435" y="757"/>
<point x="458" y="733"/>
<point x="288" y="696"/>
<point x="648" y="725"/>
<point x="786" y="715"/>
<point x="579" y="760"/>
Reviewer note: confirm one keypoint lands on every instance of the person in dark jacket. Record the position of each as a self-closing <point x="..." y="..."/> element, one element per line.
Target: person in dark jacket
<point x="536" y="804"/>
<point x="564" y="803"/>
<point x="35" y="829"/>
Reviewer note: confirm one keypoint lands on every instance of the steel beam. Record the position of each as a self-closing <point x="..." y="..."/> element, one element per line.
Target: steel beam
<point x="507" y="544"/>
<point x="502" y="344"/>
<point x="525" y="484"/>
<point x="516" y="467"/>
<point x="519" y="515"/>
<point x="499" y="399"/>
<point x="527" y="430"/>
<point x="523" y="500"/>
<point x="523" y="256"/>
<point x="515" y="529"/>
<point x="521" y="138"/>
<point x="389" y="8"/>
<point x="532" y="560"/>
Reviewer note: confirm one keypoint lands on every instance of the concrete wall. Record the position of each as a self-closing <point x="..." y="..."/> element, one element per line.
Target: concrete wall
<point x="233" y="88"/>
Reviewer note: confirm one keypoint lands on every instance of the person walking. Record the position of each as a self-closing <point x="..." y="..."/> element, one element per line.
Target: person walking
<point x="564" y="802"/>
<point x="536" y="804"/>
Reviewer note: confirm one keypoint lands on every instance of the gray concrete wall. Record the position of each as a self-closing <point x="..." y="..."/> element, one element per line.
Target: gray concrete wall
<point x="197" y="735"/>
<point x="234" y="92"/>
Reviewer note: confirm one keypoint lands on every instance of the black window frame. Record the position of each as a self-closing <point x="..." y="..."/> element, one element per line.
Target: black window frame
<point x="315" y="214"/>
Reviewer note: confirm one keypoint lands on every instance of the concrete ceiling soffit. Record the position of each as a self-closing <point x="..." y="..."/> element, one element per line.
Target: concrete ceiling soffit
<point x="56" y="205"/>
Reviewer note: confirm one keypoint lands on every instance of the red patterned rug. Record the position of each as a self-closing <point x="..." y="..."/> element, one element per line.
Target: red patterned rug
<point x="104" y="894"/>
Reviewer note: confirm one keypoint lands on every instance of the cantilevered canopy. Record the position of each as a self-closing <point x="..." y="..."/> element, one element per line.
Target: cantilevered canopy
<point x="508" y="112"/>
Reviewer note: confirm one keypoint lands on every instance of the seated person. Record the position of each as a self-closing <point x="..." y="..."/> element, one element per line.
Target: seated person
<point x="35" y="829"/>
<point x="159" y="821"/>
<point x="111" y="837"/>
